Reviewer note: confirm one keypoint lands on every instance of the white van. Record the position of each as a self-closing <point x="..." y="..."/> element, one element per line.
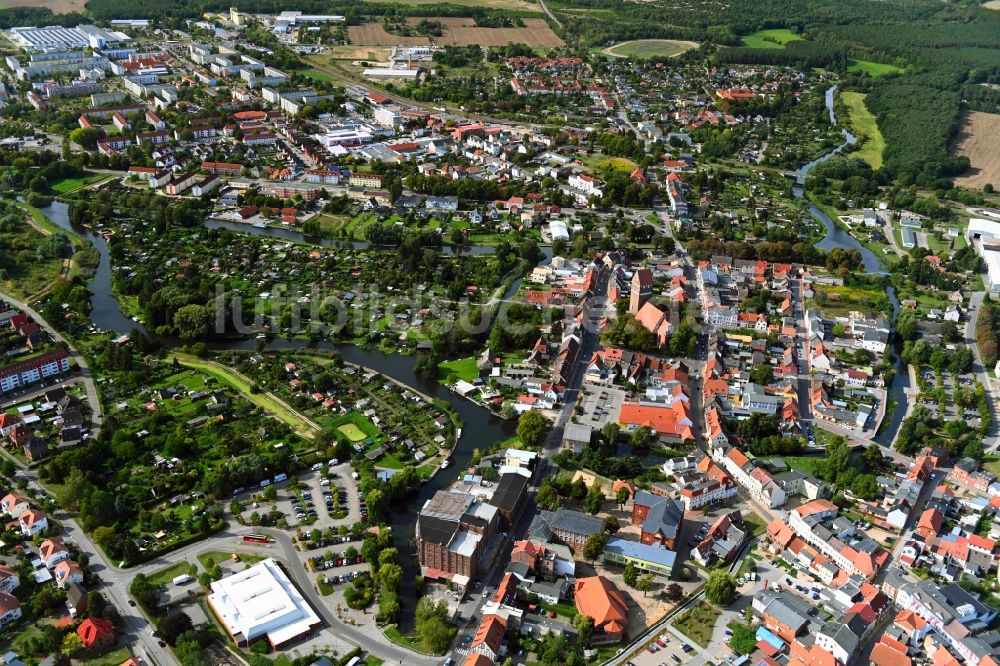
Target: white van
<point x="278" y="478"/>
<point x="265" y="483"/>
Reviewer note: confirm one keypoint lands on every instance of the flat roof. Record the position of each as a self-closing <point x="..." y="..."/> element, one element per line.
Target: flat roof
<point x="640" y="551"/>
<point x="262" y="601"/>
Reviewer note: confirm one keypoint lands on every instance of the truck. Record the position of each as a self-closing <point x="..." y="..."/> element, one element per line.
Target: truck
<point x="183" y="578"/>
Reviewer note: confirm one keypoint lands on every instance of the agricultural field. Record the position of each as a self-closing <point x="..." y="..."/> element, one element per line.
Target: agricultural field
<point x="459" y="32"/>
<point x="57" y="6"/>
<point x="979" y="140"/>
<point x="875" y="69"/>
<point x="650" y="48"/>
<point x="770" y="39"/>
<point x="863" y="124"/>
<point x="992" y="4"/>
<point x="504" y="5"/>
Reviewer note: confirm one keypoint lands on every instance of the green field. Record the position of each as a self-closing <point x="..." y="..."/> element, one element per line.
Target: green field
<point x="650" y="48"/>
<point x="770" y="39"/>
<point x="166" y="576"/>
<point x="461" y="368"/>
<point x="873" y="68"/>
<point x="67" y="185"/>
<point x="262" y="400"/>
<point x="865" y="127"/>
<point x="352" y="432"/>
<point x="698" y="623"/>
<point x="355" y="427"/>
<point x="316" y="75"/>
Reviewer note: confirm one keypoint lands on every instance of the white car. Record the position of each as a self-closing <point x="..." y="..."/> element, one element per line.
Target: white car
<point x="324" y="482"/>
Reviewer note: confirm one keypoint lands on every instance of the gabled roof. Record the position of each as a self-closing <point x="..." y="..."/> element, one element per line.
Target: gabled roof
<point x="600" y="599"/>
<point x="490" y="633"/>
<point x="93" y="630"/>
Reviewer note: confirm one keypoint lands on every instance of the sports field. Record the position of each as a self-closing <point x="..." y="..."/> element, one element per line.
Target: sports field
<point x="650" y="48"/>
<point x="770" y="39"/>
<point x="352" y="432"/>
<point x="863" y="124"/>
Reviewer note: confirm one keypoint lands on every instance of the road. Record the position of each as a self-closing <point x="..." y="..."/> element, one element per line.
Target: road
<point x="97" y="415"/>
<point x="991" y="441"/>
<point x="552" y="17"/>
<point x="596" y="307"/>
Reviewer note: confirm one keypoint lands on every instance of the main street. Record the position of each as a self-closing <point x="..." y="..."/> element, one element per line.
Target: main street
<point x="991" y="441"/>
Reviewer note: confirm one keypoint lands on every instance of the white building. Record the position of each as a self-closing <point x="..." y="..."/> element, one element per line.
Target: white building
<point x="984" y="235"/>
<point x="261" y="602"/>
<point x="387" y="116"/>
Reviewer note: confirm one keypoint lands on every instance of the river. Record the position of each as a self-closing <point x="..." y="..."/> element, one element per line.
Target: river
<point x="838" y="237"/>
<point x="480" y="429"/>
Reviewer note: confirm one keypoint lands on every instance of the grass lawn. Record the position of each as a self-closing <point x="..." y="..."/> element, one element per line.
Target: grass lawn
<point x="352" y="432"/>
<point x="316" y="75"/>
<point x="372" y="660"/>
<point x="113" y="658"/>
<point x="602" y="162"/>
<point x="213" y="557"/>
<point x="770" y="39"/>
<point x="67" y="185"/>
<point x="360" y="423"/>
<point x="408" y="641"/>
<point x="565" y="610"/>
<point x="992" y="464"/>
<point x="264" y="401"/>
<point x="165" y="576"/>
<point x="698" y="623"/>
<point x="755" y="521"/>
<point x="462" y="368"/>
<point x="865" y="128"/>
<point x="807" y="464"/>
<point x="873" y="68"/>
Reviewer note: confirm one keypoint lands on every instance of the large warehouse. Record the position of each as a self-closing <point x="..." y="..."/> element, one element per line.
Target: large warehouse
<point x="984" y="236"/>
<point x="261" y="602"/>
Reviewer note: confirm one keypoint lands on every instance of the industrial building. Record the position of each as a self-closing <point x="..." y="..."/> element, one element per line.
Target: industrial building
<point x="260" y="602"/>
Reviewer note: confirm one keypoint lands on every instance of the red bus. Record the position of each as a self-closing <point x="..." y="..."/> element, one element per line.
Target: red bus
<point x="256" y="538"/>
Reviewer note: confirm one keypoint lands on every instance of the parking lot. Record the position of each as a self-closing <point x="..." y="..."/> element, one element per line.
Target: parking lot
<point x="600" y="405"/>
<point x="326" y="498"/>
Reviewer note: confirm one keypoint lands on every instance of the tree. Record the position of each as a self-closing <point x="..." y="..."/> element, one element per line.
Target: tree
<point x="205" y="579"/>
<point x="630" y="575"/>
<point x="584" y="628"/>
<point x="191" y="322"/>
<point x="644" y="584"/>
<point x="532" y="428"/>
<point x="71" y="644"/>
<point x="547" y="497"/>
<point x="623" y="497"/>
<point x="675" y="592"/>
<point x="432" y="625"/>
<point x="86" y="136"/>
<point x="96" y="604"/>
<point x="611" y="525"/>
<point x="594" y="546"/>
<point x="173" y="626"/>
<point x="720" y="588"/>
<point x="762" y="374"/>
<point x="595" y="499"/>
<point x="270" y="493"/>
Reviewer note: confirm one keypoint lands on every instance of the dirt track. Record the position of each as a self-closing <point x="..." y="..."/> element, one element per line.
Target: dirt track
<point x="979" y="140"/>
